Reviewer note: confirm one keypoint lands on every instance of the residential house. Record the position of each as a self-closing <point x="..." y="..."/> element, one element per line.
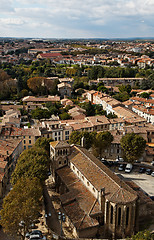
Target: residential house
<point x="65" y="89"/>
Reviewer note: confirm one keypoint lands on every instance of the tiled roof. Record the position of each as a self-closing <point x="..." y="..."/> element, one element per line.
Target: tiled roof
<point x="7" y="146"/>
<point x="78" y="202"/>
<point x="100" y="176"/>
<point x="41" y="99"/>
<point x="59" y="144"/>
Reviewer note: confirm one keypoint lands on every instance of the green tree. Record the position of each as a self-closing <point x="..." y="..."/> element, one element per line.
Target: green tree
<point x="44" y="143"/>
<point x="21" y="205"/>
<point x="64" y="116"/>
<point x="133" y="146"/>
<point x="32" y="163"/>
<point x="111" y="115"/>
<point x="143" y="235"/>
<point x="39" y="113"/>
<point x="90" y="109"/>
<point x="144" y="95"/>
<point x="76" y="136"/>
<point x="102" y="141"/>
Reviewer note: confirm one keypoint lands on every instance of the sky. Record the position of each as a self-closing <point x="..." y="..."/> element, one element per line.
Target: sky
<point x="77" y="18"/>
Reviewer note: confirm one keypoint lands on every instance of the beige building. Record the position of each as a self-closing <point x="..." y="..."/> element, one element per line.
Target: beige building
<point x="65" y="89"/>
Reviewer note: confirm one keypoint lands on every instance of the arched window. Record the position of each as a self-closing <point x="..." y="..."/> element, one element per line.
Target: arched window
<point x="64" y="152"/>
<point x="60" y="152"/>
<point x="111" y="215"/>
<point x="127" y="215"/>
<point x="119" y="216"/>
<point x="88" y="184"/>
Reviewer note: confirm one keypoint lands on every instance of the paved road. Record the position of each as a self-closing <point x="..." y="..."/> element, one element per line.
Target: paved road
<point x="52" y="222"/>
<point x="144" y="181"/>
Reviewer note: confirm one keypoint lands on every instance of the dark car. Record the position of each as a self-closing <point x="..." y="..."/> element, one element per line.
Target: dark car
<point x="111" y="163"/>
<point x="148" y="171"/>
<point x="105" y="162"/>
<point x="142" y="170"/>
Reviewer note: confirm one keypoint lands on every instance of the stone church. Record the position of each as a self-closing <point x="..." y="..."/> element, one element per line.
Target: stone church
<point x="96" y="202"/>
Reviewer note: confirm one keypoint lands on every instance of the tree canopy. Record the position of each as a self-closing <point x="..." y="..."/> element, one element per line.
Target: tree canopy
<point x="102" y="141"/>
<point x="76" y="137"/>
<point x="39" y="113"/>
<point x="133" y="146"/>
<point x="35" y="84"/>
<point x="33" y="162"/>
<point x="21" y="206"/>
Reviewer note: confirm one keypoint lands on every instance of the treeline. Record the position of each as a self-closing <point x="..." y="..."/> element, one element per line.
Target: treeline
<point x="27" y="71"/>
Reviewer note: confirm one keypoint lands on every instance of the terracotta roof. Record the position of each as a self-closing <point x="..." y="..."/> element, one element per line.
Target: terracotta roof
<point x="78" y="202"/>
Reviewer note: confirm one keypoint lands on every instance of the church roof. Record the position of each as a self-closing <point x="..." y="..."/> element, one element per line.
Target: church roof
<point x="79" y="201"/>
<point x="116" y="190"/>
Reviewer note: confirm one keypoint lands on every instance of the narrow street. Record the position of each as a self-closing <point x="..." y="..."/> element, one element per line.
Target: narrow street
<point x="52" y="205"/>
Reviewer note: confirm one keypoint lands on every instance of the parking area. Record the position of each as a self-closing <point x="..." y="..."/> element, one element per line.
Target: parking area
<point x="140" y="174"/>
<point x="144" y="181"/>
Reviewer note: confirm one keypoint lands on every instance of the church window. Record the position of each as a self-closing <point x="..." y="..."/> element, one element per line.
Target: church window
<point x="59" y="162"/>
<point x="127" y="215"/>
<point x="119" y="216"/>
<point x="111" y="215"/>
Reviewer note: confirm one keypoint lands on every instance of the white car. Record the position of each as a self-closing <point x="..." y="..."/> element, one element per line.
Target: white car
<point x="120" y="159"/>
<point x="128" y="168"/>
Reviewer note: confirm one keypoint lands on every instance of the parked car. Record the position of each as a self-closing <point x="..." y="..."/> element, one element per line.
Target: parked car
<point x="128" y="168"/>
<point x="36" y="237"/>
<point x="111" y="163"/>
<point x="105" y="162"/>
<point x="119" y="159"/>
<point x="152" y="163"/>
<point x="121" y="167"/>
<point x="152" y="174"/>
<point x="142" y="170"/>
<point x="36" y="234"/>
<point x="148" y="171"/>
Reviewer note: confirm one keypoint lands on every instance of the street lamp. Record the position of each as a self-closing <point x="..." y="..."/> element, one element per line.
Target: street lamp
<point x="62" y="218"/>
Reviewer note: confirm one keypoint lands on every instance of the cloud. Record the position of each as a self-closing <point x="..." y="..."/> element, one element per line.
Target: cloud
<point x="11" y="21"/>
<point x="57" y="17"/>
